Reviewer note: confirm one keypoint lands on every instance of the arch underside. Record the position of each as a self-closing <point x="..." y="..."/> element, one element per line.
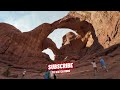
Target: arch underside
<point x="84" y="30"/>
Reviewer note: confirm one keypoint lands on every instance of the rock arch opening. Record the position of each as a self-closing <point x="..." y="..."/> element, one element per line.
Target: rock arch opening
<point x="80" y="43"/>
<point x="57" y="37"/>
<point x="25" y="49"/>
<point x="50" y="53"/>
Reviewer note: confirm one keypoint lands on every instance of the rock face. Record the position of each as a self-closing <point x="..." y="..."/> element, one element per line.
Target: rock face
<point x="21" y="49"/>
<point x="106" y="25"/>
<point x="96" y="31"/>
<point x="72" y="45"/>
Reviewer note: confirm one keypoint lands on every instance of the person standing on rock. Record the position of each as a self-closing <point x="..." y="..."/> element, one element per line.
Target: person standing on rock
<point x="103" y="64"/>
<point x="51" y="74"/>
<point x="54" y="76"/>
<point x="47" y="75"/>
<point x="23" y="74"/>
<point x="94" y="67"/>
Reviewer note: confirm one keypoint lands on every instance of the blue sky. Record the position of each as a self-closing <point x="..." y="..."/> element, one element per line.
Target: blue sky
<point x="28" y="20"/>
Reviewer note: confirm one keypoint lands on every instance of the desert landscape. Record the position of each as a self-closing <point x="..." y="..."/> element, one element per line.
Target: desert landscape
<point x="98" y="35"/>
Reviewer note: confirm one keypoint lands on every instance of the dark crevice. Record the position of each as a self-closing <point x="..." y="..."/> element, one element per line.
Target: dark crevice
<point x="113" y="34"/>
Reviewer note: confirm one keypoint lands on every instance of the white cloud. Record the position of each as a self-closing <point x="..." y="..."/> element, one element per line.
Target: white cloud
<point x="28" y="20"/>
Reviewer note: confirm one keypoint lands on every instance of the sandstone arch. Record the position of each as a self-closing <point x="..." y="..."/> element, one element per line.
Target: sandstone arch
<point x="26" y="48"/>
<point x="48" y="43"/>
<point x="84" y="30"/>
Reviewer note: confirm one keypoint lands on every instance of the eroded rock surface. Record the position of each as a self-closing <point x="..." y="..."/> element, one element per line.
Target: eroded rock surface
<point x="97" y="32"/>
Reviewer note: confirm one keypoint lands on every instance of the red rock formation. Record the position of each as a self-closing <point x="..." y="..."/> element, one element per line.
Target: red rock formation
<point x="21" y="49"/>
<point x="105" y="23"/>
<point x="48" y="43"/>
<point x="72" y="46"/>
<point x="101" y="28"/>
<point x="96" y="31"/>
